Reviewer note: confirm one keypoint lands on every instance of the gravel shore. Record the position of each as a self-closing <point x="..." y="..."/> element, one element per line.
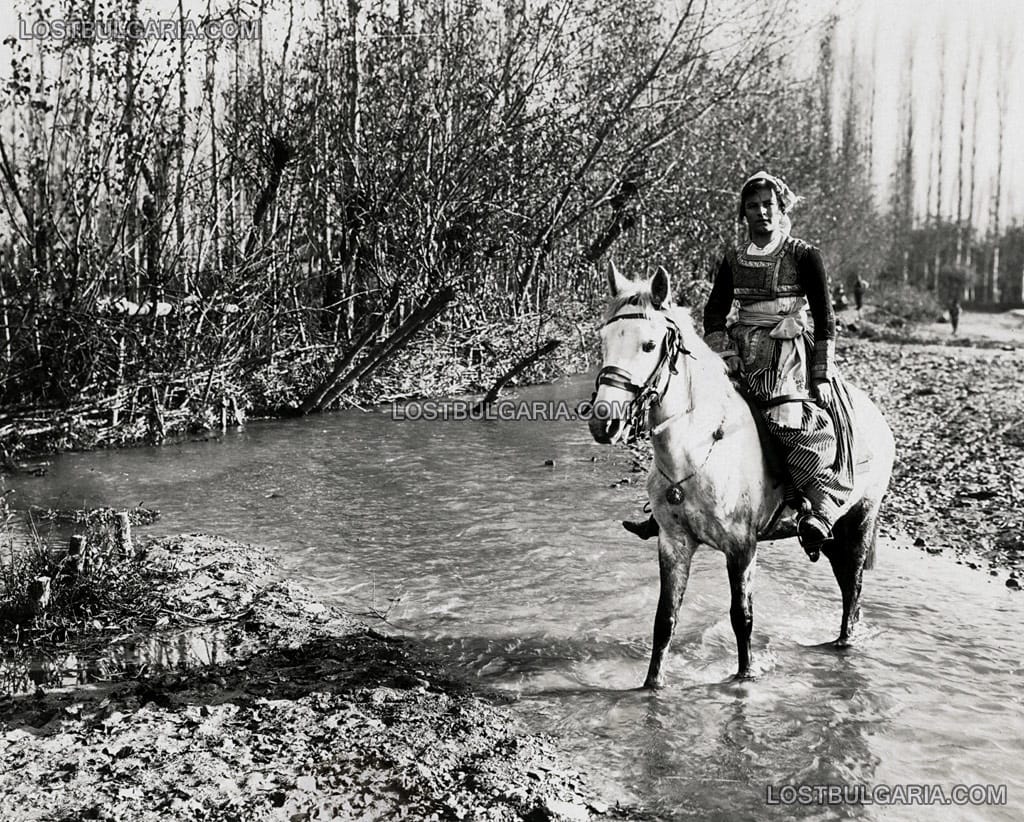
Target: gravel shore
<point x="958" y="416"/>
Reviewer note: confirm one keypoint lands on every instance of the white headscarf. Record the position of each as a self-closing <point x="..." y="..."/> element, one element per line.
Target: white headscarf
<point x="787" y="199"/>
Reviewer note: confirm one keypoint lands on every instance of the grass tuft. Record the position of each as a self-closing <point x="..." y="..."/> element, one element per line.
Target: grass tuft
<point x="49" y="595"/>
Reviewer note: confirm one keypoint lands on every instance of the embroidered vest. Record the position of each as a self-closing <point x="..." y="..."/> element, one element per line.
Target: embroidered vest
<point x="766" y="278"/>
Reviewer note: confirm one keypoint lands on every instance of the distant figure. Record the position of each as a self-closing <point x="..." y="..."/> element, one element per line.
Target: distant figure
<point x="954" y="314"/>
<point x="839" y="299"/>
<point x="859" y="288"/>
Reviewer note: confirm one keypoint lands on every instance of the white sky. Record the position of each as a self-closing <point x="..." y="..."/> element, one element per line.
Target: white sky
<point x="992" y="31"/>
<point x="885" y="31"/>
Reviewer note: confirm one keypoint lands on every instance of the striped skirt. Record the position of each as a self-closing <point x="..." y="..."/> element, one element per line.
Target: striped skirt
<point x="817" y="442"/>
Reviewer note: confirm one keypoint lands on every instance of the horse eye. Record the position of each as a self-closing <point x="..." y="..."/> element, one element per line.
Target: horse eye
<point x="649" y="345"/>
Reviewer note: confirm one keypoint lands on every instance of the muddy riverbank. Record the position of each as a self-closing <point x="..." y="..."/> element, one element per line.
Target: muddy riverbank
<point x="249" y="699"/>
<point x="294" y="711"/>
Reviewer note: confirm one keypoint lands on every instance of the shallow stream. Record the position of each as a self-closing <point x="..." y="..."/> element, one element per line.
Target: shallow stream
<point x="518" y="574"/>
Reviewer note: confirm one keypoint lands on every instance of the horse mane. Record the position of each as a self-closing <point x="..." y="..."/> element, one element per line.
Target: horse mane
<point x="706" y="370"/>
<point x="638" y="297"/>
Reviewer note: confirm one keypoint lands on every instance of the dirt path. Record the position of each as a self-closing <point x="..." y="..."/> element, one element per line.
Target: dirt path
<point x="1005" y="328"/>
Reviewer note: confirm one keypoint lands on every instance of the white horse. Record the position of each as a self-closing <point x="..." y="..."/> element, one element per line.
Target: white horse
<point x="711" y="481"/>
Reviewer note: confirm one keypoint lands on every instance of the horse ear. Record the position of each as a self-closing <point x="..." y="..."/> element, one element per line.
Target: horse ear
<point x="660" y="287"/>
<point x="616" y="282"/>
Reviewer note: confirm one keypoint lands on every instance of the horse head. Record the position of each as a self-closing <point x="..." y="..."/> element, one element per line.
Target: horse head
<point x="641" y="343"/>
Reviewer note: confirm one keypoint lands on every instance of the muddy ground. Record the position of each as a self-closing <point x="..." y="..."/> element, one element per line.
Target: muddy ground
<point x="301" y="713"/>
<point x="956" y="406"/>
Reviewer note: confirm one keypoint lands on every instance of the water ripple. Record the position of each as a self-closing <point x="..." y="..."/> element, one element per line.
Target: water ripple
<point x="517" y="573"/>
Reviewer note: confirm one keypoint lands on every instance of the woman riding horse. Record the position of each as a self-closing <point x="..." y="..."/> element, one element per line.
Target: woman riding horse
<point x="787" y="365"/>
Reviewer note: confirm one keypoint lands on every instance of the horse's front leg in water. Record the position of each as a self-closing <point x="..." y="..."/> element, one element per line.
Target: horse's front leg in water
<point x="741" y="561"/>
<point x="674" y="560"/>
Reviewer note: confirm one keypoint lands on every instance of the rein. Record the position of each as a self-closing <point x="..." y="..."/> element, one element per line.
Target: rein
<point x="647" y="395"/>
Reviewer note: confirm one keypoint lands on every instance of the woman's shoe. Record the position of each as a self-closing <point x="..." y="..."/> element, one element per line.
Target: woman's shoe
<point x="645" y="530"/>
<point x="813" y="533"/>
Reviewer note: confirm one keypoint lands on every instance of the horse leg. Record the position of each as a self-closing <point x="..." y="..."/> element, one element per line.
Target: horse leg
<point x="741" y="563"/>
<point x="854" y="545"/>
<point x="674" y="563"/>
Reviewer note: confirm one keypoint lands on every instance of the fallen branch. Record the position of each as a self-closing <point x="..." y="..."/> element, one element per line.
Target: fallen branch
<point x="316" y="398"/>
<point x="406" y="331"/>
<point x="519" y="367"/>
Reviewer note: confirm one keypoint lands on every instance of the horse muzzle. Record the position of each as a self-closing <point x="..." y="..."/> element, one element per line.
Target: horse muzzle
<point x="608" y="431"/>
<point x="610" y="419"/>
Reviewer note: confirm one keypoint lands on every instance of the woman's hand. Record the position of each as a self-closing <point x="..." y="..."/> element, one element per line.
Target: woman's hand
<point x="823" y="393"/>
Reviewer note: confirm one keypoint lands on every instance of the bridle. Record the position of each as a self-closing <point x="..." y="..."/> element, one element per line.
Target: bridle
<point x="647" y="395"/>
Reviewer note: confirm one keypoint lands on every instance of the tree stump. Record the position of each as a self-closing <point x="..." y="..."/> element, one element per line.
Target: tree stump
<point x="78" y="556"/>
<point x="123" y="534"/>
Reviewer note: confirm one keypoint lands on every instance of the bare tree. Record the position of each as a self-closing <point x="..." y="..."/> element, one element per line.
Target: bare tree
<point x="961" y="147"/>
<point x="940" y="136"/>
<point x="903" y="190"/>
<point x="1002" y="100"/>
<point x="973" y="176"/>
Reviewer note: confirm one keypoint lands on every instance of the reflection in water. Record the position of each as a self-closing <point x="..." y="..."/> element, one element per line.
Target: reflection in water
<point x="519" y="574"/>
<point x="36" y="668"/>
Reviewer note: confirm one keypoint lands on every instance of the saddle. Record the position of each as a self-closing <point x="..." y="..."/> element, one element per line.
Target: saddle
<point x="773" y="454"/>
<point x="784" y="523"/>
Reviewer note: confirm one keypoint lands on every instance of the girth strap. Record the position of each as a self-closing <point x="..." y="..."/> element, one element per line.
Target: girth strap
<point x="782" y="399"/>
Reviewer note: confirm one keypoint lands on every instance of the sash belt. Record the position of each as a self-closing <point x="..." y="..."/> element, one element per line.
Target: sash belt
<point x="784" y="326"/>
<point x="787" y="328"/>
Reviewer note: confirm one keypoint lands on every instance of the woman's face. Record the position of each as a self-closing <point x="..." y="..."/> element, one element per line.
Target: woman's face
<point x="762" y="213"/>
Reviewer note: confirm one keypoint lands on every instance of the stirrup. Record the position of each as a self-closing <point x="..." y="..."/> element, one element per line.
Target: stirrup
<point x="645" y="530"/>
